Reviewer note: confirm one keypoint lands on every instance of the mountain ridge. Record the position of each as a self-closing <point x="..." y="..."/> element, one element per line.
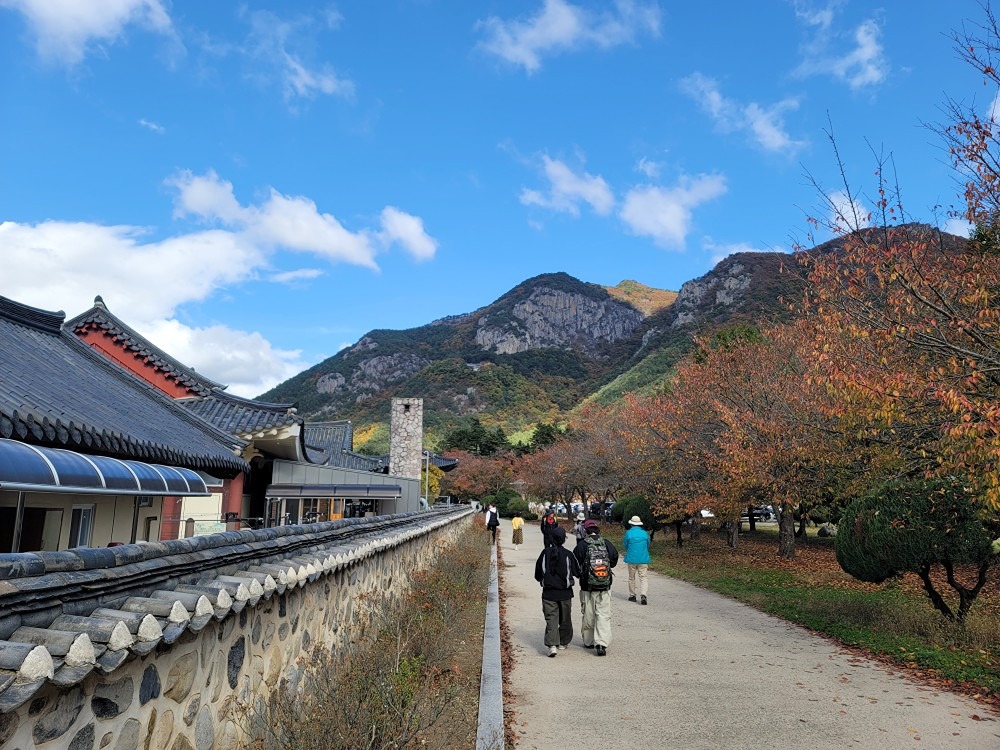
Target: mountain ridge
<point x="543" y="348"/>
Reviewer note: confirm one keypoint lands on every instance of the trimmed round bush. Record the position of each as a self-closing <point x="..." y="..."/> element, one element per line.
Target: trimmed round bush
<point x="908" y="526"/>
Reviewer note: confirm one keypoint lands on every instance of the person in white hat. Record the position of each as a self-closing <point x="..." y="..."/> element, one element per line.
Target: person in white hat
<point x="578" y="528"/>
<point x="636" y="544"/>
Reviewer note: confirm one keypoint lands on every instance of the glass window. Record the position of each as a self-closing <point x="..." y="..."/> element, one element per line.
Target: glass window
<point x="81" y="526"/>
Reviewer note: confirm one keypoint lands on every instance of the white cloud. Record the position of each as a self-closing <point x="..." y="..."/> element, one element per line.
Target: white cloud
<point x="299" y="274"/>
<point x="721" y="251"/>
<point x="408" y="231"/>
<point x="281" y="45"/>
<point x="146" y="281"/>
<point x="155" y="127"/>
<point x="66" y="30"/>
<point x="765" y="125"/>
<point x="560" y="26"/>
<point x="959" y="227"/>
<point x="847" y="214"/>
<point x="567" y="190"/>
<point x="665" y="214"/>
<point x="299" y="81"/>
<point x="993" y="110"/>
<point x="648" y="167"/>
<point x="295" y="222"/>
<point x="243" y="360"/>
<point x="863" y="64"/>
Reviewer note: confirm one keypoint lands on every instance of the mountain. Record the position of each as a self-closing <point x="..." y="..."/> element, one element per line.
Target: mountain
<point x="535" y="353"/>
<point x="547" y="346"/>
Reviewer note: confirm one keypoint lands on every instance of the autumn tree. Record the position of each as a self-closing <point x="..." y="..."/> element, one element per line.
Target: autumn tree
<point x="477" y="477"/>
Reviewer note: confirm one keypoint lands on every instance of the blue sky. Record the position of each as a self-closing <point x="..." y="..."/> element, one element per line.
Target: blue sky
<point x="256" y="185"/>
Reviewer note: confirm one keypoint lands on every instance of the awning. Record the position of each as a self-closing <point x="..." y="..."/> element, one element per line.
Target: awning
<point x="343" y="491"/>
<point x="30" y="468"/>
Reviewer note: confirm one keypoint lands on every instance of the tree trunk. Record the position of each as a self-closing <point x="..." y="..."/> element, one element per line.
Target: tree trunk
<point x="786" y="535"/>
<point x="733" y="535"/>
<point x="695" y="528"/>
<point x="680" y="537"/>
<point x="803" y="520"/>
<point x="936" y="599"/>
<point x="752" y="518"/>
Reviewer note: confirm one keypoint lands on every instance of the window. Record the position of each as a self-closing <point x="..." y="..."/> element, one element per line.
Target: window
<point x="81" y="526"/>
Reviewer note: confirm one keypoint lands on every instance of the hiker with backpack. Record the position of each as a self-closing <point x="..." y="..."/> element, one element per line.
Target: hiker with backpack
<point x="597" y="556"/>
<point x="549" y="524"/>
<point x="555" y="569"/>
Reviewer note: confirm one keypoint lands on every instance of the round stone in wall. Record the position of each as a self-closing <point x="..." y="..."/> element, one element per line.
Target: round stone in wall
<point x="84" y="739"/>
<point x="128" y="737"/>
<point x="113" y="698"/>
<point x="60" y="716"/>
<point x="150" y="686"/>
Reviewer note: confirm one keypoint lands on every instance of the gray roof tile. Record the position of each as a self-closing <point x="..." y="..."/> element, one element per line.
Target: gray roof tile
<point x="56" y="391"/>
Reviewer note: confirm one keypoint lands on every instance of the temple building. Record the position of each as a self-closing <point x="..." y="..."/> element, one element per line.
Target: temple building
<point x="95" y="387"/>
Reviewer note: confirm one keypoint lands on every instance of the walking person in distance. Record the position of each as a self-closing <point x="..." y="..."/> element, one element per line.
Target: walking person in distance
<point x="492" y="521"/>
<point x="555" y="570"/>
<point x="597" y="556"/>
<point x="517" y="526"/>
<point x="549" y="523"/>
<point x="636" y="546"/>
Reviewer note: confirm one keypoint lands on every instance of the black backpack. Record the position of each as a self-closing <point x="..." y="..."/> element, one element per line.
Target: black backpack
<point x="598" y="564"/>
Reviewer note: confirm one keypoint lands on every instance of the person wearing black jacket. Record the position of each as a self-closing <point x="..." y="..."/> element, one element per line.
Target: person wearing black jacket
<point x="492" y="521"/>
<point x="555" y="570"/>
<point x="595" y="599"/>
<point x="549" y="523"/>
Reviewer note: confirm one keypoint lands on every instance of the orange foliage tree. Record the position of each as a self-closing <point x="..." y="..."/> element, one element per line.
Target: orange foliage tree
<point x="740" y="423"/>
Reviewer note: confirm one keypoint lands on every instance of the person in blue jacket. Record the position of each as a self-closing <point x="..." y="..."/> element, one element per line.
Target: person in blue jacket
<point x="636" y="544"/>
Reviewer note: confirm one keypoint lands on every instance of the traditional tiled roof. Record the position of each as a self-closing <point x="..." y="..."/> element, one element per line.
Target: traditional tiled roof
<point x="360" y="462"/>
<point x="241" y="416"/>
<point x="100" y="317"/>
<point x="442" y="462"/>
<point x="66" y="615"/>
<point x="57" y="391"/>
<point x="326" y="441"/>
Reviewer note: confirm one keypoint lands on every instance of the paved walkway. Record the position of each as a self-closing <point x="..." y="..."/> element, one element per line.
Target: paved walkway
<point x="695" y="670"/>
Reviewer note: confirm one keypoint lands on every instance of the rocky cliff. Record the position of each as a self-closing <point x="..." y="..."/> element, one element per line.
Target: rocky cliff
<point x="548" y="339"/>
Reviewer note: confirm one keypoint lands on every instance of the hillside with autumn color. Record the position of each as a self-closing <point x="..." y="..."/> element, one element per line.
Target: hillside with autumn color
<point x="541" y="350"/>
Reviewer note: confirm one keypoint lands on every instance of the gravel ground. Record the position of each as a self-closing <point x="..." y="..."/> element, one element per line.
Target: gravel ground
<point x="695" y="670"/>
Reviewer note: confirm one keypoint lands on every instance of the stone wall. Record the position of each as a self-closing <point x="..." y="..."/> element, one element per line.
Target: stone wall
<point x="191" y="693"/>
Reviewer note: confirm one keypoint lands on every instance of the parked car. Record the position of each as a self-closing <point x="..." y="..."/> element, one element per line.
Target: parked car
<point x="760" y="513"/>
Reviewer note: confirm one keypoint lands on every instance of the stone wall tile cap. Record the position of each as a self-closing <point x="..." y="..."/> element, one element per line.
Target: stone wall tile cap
<point x="174" y="630"/>
<point x="67" y="675"/>
<point x="109" y="661"/>
<point x="17" y="694"/>
<point x="142" y="648"/>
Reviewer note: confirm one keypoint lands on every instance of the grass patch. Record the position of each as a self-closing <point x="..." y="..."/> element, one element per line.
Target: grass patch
<point x="411" y="678"/>
<point x="894" y="622"/>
